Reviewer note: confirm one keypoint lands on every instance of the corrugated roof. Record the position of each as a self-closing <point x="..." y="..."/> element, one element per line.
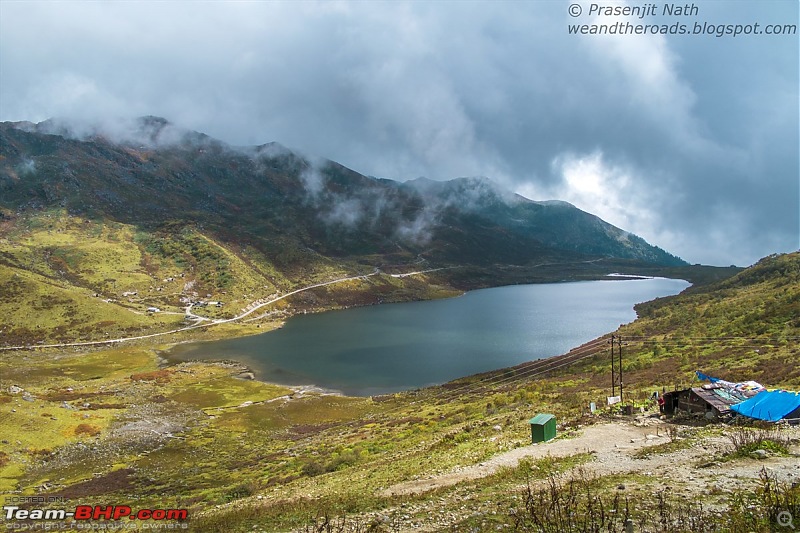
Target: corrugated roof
<point x="723" y="405"/>
<point x="541" y="418"/>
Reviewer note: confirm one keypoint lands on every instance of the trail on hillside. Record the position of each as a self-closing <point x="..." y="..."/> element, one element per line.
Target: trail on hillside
<point x="691" y="472"/>
<point x="599" y="440"/>
<point x="193" y="326"/>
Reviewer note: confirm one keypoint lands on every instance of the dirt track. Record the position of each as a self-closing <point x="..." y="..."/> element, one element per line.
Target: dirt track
<point x="691" y="472"/>
<point x="612" y="444"/>
<point x="605" y="441"/>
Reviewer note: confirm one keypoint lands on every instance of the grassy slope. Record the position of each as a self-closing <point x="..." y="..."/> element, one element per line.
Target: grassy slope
<point x="434" y="430"/>
<point x="91" y="280"/>
<point x="65" y="279"/>
<point x="746" y="327"/>
<point x="336" y="454"/>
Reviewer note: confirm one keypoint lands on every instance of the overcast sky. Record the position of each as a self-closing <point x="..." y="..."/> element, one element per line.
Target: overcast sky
<point x="689" y="141"/>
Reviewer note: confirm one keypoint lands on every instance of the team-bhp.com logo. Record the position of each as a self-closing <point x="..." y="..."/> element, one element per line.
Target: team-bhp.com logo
<point x="94" y="512"/>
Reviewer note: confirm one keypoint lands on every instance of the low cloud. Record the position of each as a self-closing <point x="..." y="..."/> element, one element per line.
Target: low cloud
<point x="313" y="181"/>
<point x="149" y="131"/>
<point x="419" y="230"/>
<point x="680" y="134"/>
<point x="26" y="167"/>
<point x="347" y="212"/>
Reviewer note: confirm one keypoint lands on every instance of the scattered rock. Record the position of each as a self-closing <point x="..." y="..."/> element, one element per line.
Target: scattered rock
<point x="13" y="389"/>
<point x="28" y="397"/>
<point x="621" y="487"/>
<point x="759" y="454"/>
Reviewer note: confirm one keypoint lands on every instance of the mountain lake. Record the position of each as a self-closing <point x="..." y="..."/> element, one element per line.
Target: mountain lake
<point x="392" y="347"/>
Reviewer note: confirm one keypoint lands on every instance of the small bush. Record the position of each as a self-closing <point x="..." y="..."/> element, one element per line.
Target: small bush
<point x="580" y="504"/>
<point x="312" y="469"/>
<point x="747" y="440"/>
<point x="240" y="491"/>
<point x="571" y="505"/>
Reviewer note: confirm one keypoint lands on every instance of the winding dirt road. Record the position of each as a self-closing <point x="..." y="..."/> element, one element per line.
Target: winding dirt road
<point x="193" y="326"/>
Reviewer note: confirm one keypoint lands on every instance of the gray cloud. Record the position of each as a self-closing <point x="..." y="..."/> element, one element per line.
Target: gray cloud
<point x="689" y="141"/>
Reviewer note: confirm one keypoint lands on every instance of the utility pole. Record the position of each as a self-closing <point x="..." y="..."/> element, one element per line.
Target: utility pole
<point x="616" y="366"/>
<point x="613" y="370"/>
<point x="619" y="349"/>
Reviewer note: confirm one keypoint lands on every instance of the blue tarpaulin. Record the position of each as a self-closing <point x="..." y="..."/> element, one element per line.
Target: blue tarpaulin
<point x="704" y="377"/>
<point x="769" y="405"/>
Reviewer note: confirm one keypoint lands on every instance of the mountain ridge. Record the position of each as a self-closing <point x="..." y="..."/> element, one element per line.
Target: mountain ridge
<point x="181" y="160"/>
<point x="237" y="224"/>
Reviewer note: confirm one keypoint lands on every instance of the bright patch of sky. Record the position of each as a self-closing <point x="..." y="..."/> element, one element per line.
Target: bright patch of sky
<point x="690" y="141"/>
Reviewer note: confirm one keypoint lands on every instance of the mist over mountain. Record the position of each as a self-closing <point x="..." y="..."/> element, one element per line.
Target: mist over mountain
<point x="158" y="177"/>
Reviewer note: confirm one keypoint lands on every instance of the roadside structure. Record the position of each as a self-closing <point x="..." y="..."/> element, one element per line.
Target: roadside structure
<point x="714" y="400"/>
<point x="771" y="406"/>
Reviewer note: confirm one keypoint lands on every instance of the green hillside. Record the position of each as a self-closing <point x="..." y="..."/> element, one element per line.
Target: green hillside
<point x="95" y="231"/>
<point x="189" y="436"/>
<point x="169" y="236"/>
<point x="745" y="327"/>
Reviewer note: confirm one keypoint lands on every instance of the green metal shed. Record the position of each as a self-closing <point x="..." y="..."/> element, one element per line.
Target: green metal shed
<point x="543" y="427"/>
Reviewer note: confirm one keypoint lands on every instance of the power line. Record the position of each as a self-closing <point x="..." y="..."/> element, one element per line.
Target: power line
<point x="525" y="372"/>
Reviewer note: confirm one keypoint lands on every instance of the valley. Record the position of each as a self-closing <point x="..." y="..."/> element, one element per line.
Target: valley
<point x="169" y="237"/>
<point x="115" y="424"/>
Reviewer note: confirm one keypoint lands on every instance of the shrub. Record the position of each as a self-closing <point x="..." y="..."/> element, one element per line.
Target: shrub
<point x="240" y="491"/>
<point x="159" y="376"/>
<point x="579" y="504"/>
<point x="312" y="469"/>
<point x="571" y="505"/>
<point x="747" y="440"/>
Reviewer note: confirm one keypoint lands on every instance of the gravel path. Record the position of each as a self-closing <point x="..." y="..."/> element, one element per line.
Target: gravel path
<point x="691" y="472"/>
<point x="609" y="442"/>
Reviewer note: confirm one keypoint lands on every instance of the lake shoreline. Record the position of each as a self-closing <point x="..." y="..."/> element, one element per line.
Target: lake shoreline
<point x="351" y="348"/>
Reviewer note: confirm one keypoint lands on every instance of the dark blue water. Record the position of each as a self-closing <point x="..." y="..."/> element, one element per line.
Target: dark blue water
<point x="393" y="347"/>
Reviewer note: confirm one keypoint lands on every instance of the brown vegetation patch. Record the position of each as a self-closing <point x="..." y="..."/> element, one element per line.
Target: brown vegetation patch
<point x="786" y="367"/>
<point x="95" y="406"/>
<point x="67" y="395"/>
<point x="43" y="454"/>
<point x="87" y="429"/>
<point x="280" y="480"/>
<point x="115" y="481"/>
<point x="306" y="430"/>
<point x="159" y="376"/>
